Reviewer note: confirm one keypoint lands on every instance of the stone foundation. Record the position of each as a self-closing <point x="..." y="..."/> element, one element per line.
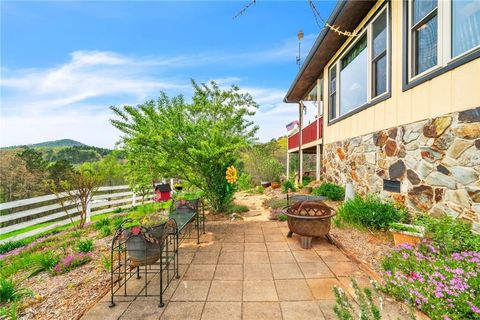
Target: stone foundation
<point x="437" y="162"/>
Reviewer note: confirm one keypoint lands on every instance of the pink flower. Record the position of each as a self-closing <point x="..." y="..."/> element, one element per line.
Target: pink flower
<point x="136" y="230"/>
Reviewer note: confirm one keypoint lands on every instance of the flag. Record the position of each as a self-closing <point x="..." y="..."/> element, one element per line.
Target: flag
<point x="292" y="125"/>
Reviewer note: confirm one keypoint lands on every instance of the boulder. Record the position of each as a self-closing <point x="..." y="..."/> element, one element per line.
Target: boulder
<point x="436" y="127"/>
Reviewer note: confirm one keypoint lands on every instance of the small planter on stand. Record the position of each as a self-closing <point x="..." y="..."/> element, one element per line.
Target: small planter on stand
<point x="407" y="233"/>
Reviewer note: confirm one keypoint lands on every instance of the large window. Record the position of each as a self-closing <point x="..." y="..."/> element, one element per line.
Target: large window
<point x="439" y="32"/>
<point x="360" y="75"/>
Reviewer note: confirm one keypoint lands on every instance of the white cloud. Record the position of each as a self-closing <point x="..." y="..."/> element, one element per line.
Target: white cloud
<point x="71" y="100"/>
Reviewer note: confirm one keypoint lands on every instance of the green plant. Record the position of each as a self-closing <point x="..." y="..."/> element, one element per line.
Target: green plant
<point x="106" y="231"/>
<point x="10" y="245"/>
<point x="9" y="312"/>
<point x="244" y="181"/>
<point x="10" y="292"/>
<point x="105" y="221"/>
<point x="260" y="189"/>
<point x="76" y="234"/>
<point x="330" y="190"/>
<point x="275" y="203"/>
<point x="237" y="208"/>
<point x="84" y="245"/>
<point x="44" y="261"/>
<point x="395" y="226"/>
<point x="71" y="262"/>
<point x="370" y="212"/>
<point x="449" y="234"/>
<point x="106" y="262"/>
<point x="368" y="310"/>
<point x="118" y="210"/>
<point x="288" y="186"/>
<point x="282" y="217"/>
<point x="306" y="180"/>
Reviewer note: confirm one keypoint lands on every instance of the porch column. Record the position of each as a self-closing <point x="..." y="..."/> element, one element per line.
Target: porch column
<point x="288" y="164"/>
<point x="318" y="159"/>
<point x="300" y="151"/>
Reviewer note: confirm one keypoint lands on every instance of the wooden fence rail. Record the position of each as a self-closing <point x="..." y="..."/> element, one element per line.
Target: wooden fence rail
<point x="107" y="199"/>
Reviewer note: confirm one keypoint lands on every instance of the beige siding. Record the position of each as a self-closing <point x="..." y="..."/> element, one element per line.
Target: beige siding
<point x="456" y="90"/>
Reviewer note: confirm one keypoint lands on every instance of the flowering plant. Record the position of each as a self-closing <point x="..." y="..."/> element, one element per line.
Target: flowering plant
<point x="71" y="262"/>
<point x="231" y="175"/>
<point x="444" y="286"/>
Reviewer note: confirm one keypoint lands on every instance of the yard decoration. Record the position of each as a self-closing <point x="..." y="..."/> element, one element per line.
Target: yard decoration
<point x="231" y="175"/>
<point x="407" y="233"/>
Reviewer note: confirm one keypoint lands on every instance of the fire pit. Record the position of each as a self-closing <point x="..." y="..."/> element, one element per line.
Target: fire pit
<point x="309" y="219"/>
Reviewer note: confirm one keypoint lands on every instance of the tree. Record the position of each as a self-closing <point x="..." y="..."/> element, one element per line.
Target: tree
<point x="194" y="141"/>
<point x="16" y="181"/>
<point x="261" y="163"/>
<point x="33" y="160"/>
<point x="60" y="170"/>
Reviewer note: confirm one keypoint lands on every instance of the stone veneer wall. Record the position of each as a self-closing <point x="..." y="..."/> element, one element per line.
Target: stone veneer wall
<point x="437" y="162"/>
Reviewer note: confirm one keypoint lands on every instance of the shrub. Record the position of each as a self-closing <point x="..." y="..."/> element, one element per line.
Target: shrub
<point x="244" y="181"/>
<point x="9" y="291"/>
<point x="368" y="309"/>
<point x="102" y="223"/>
<point x="288" y="185"/>
<point x="449" y="234"/>
<point x="85" y="245"/>
<point x="260" y="189"/>
<point x="71" y="262"/>
<point x="330" y="190"/>
<point x="44" y="261"/>
<point x="237" y="208"/>
<point x="118" y="210"/>
<point x="444" y="286"/>
<point x="370" y="212"/>
<point x="276" y="203"/>
<point x="306" y="180"/>
<point x="11" y="245"/>
<point x="282" y="217"/>
<point x="105" y="231"/>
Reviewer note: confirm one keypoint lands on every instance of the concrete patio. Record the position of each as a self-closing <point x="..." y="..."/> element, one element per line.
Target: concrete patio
<point x="247" y="270"/>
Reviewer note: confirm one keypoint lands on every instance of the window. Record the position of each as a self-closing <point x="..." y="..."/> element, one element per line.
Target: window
<point x="332" y="101"/>
<point x="465" y="26"/>
<point x="439" y="32"/>
<point x="353" y="77"/>
<point x="360" y="75"/>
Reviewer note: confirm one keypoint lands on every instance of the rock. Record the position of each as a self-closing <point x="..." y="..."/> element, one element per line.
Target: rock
<point x="477" y="144"/>
<point x="459" y="197"/>
<point x="370" y="157"/>
<point x="443" y="169"/>
<point x="390" y="148"/>
<point x="413" y="177"/>
<point x="380" y="173"/>
<point x="441" y="210"/>
<point x="439" y="194"/>
<point x="411" y="132"/>
<point x="470" y="158"/>
<point x="355" y="142"/>
<point x="431" y="155"/>
<point x="472" y="115"/>
<point x="392" y="133"/>
<point x="401" y="152"/>
<point x="340" y="153"/>
<point x="464" y="175"/>
<point x="439" y="179"/>
<point x="458" y="147"/>
<point x="436" y="127"/>
<point x="421" y="197"/>
<point x="449" y="162"/>
<point x="424" y="169"/>
<point x="379" y="138"/>
<point x="397" y="170"/>
<point x="474" y="194"/>
<point x="468" y="131"/>
<point x="411" y="146"/>
<point x="445" y="140"/>
<point x="383" y="164"/>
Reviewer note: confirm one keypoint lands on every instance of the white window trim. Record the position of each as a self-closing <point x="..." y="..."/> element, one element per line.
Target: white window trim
<point x="444" y="38"/>
<point x="368" y="30"/>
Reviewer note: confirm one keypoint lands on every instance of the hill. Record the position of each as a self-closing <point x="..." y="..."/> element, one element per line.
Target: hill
<point x="51" y="144"/>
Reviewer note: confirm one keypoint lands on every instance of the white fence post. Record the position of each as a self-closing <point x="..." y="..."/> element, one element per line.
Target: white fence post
<point x="134" y="199"/>
<point x="89" y="209"/>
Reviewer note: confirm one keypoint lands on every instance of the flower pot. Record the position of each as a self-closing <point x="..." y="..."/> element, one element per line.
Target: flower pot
<point x="140" y="251"/>
<point x="265" y="184"/>
<point x="276" y="185"/>
<point x="413" y="237"/>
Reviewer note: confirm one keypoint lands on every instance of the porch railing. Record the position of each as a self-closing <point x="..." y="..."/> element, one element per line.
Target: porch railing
<point x="310" y="133"/>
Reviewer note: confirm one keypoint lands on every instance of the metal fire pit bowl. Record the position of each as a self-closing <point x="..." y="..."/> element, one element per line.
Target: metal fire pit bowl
<point x="309" y="219"/>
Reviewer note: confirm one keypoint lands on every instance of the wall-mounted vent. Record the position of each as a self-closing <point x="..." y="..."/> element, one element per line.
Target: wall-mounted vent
<point x="391" y="185"/>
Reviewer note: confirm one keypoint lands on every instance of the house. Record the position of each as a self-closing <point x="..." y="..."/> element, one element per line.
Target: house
<point x="397" y="102"/>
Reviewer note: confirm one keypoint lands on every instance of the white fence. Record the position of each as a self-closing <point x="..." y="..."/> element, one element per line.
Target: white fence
<point x="107" y="199"/>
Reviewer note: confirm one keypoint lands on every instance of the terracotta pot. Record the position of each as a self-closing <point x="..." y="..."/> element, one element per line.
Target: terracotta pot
<point x="399" y="238"/>
<point x="276" y="185"/>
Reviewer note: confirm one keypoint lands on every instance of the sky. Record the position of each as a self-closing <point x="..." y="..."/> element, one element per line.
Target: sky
<point x="63" y="63"/>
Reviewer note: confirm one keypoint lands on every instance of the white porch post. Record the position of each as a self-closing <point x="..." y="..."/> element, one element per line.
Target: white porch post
<point x="319" y="133"/>
<point x="318" y="162"/>
<point x="288" y="163"/>
<point x="300" y="151"/>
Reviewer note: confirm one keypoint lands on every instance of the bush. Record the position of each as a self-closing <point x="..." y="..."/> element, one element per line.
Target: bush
<point x="244" y="182"/>
<point x="444" y="286"/>
<point x="43" y="262"/>
<point x="260" y="189"/>
<point x="330" y="190"/>
<point x="102" y="223"/>
<point x="237" y="208"/>
<point x="105" y="231"/>
<point x="370" y="212"/>
<point x="10" y="245"/>
<point x="449" y="234"/>
<point x="9" y="292"/>
<point x="306" y="180"/>
<point x="85" y="245"/>
<point x="71" y="262"/>
<point x="276" y="203"/>
<point x="288" y="185"/>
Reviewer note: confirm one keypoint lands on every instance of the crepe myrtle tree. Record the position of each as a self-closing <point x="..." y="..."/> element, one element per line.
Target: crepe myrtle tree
<point x="196" y="141"/>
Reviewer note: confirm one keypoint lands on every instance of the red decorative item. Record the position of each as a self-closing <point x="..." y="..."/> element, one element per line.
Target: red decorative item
<point x="136" y="230"/>
<point x="163" y="192"/>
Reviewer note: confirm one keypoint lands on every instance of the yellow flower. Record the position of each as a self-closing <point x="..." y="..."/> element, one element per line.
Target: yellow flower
<point x="231" y="175"/>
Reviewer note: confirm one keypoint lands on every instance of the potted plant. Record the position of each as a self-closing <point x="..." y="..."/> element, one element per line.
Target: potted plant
<point x="407" y="233"/>
<point x="144" y="238"/>
<point x="187" y="201"/>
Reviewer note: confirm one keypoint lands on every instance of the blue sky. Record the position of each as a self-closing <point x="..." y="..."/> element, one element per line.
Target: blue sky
<point x="64" y="63"/>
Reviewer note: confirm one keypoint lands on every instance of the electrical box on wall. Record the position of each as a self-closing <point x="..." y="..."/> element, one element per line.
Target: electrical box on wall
<point x="391" y="185"/>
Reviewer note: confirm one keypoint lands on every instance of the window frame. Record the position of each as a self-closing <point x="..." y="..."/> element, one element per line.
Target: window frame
<point x="445" y="59"/>
<point x="371" y="98"/>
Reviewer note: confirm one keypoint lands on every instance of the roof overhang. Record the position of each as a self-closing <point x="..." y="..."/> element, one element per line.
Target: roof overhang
<point x="346" y="15"/>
